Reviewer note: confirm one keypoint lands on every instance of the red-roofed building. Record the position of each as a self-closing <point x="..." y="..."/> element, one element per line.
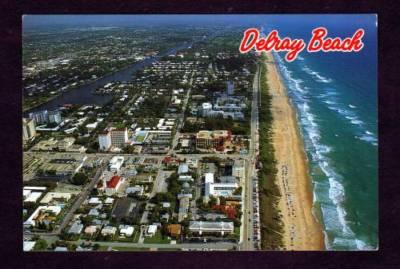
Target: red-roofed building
<point x="113" y="185"/>
<point x="229" y="211"/>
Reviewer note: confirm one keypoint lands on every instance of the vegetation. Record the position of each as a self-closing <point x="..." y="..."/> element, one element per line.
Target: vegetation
<point x="271" y="222"/>
<point x="79" y="179"/>
<point x="157" y="238"/>
<point x="41" y="244"/>
<point x="218" y="123"/>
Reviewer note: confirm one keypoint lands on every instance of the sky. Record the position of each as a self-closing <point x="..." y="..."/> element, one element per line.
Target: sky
<point x="32" y="21"/>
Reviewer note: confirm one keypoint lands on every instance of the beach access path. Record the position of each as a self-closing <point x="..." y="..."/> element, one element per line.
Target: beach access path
<point x="301" y="230"/>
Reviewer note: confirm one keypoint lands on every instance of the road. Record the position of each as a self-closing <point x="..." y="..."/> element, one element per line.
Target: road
<point x="248" y="212"/>
<point x="187" y="246"/>
<point x="82" y="196"/>
<point x="181" y="117"/>
<point x="143" y="156"/>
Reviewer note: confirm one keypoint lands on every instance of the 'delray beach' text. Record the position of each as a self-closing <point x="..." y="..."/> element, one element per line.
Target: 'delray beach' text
<point x="318" y="42"/>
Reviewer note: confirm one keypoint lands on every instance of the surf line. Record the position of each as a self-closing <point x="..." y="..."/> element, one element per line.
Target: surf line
<point x="318" y="42"/>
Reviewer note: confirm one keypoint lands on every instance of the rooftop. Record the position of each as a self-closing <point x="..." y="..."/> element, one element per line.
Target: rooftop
<point x="113" y="182"/>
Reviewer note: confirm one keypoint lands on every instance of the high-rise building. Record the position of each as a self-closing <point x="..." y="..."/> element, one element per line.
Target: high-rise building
<point x="55" y="116"/>
<point x="119" y="137"/>
<point x="113" y="137"/>
<point x="105" y="141"/>
<point x="40" y="117"/>
<point x="28" y="128"/>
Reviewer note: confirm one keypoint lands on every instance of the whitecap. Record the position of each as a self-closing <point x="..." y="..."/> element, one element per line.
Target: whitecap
<point x="317" y="76"/>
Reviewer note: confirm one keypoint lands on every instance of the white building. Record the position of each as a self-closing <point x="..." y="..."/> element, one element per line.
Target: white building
<point x="220" y="189"/>
<point x="55" y="116"/>
<point x="206" y="109"/>
<point x="105" y="141"/>
<point x="208" y="178"/>
<point x="185" y="178"/>
<point x="29" y="245"/>
<point x="92" y="126"/>
<point x="201" y="227"/>
<point x="28" y="129"/>
<point x="40" y="117"/>
<point x="151" y="230"/>
<point x="126" y="230"/>
<point x="115" y="137"/>
<point x="116" y="163"/>
<point x="94" y="201"/>
<point x="109" y="230"/>
<point x="32" y="196"/>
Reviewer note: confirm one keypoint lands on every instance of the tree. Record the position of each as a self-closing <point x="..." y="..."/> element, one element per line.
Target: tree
<point x="82" y="129"/>
<point x="79" y="179"/>
<point x="87" y="220"/>
<point x="41" y="244"/>
<point x="129" y="149"/>
<point x="96" y="246"/>
<point x="213" y="201"/>
<point x="222" y="200"/>
<point x="164" y="231"/>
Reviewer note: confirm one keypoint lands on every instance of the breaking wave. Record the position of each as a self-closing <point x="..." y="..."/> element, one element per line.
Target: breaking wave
<point x="317" y="76"/>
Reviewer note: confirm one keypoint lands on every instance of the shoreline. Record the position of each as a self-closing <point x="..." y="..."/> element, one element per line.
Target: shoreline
<point x="302" y="230"/>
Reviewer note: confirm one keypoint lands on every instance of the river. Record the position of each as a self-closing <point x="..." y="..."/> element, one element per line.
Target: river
<point x="85" y="94"/>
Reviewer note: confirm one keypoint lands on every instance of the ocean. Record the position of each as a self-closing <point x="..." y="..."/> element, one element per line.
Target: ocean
<point x="335" y="97"/>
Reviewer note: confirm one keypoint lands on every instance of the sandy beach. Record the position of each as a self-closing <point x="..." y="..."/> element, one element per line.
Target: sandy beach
<point x="302" y="231"/>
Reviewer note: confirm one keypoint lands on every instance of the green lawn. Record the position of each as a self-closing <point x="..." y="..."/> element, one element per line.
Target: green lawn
<point x="157" y="239"/>
<point x="236" y="233"/>
<point x="140" y="138"/>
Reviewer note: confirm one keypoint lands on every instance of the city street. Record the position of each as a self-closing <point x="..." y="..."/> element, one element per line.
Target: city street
<point x="247" y="241"/>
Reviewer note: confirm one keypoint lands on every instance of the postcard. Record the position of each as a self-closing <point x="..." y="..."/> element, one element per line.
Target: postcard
<point x="200" y="132"/>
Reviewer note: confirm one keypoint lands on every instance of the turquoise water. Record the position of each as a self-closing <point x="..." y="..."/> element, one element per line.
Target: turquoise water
<point x="335" y="96"/>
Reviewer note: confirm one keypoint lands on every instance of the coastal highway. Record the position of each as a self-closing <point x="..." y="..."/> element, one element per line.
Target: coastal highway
<point x="183" y="246"/>
<point x="156" y="156"/>
<point x="248" y="212"/>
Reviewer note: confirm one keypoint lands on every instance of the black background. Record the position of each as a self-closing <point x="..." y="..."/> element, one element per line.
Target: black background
<point x="11" y="252"/>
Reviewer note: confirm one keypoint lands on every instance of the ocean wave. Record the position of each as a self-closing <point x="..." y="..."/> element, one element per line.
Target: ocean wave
<point x="350" y="115"/>
<point x="351" y="243"/>
<point x="368" y="137"/>
<point x="329" y="102"/>
<point x="317" y="76"/>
